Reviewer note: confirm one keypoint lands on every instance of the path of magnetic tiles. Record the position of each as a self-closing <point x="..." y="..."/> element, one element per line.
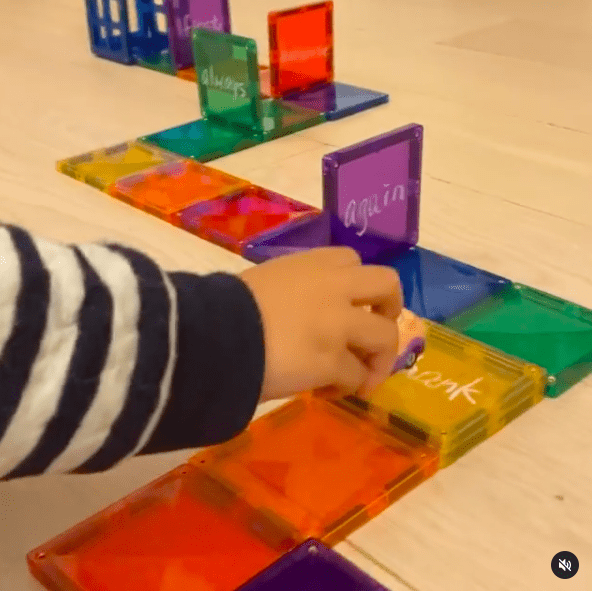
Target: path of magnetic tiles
<point x="262" y="511"/>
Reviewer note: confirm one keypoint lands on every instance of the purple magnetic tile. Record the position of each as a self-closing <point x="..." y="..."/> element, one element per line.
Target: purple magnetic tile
<point x="372" y="191"/>
<point x="184" y="15"/>
<point x="314" y="567"/>
<point x="296" y="237"/>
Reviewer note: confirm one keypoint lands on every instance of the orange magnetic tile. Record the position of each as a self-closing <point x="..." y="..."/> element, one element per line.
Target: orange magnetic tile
<point x="166" y="190"/>
<point x="319" y="467"/>
<point x="183" y="531"/>
<point x="187" y="74"/>
<point x="300" y="48"/>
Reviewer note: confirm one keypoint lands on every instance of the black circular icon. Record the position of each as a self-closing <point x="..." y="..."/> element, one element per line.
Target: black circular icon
<point x="565" y="565"/>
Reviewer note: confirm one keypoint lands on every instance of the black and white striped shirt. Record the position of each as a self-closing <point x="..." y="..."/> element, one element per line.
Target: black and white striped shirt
<point x="103" y="355"/>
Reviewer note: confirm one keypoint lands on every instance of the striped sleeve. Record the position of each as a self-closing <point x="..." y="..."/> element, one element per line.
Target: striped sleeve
<point x="104" y="356"/>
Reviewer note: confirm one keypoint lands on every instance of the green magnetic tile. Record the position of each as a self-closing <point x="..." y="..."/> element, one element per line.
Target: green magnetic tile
<point x="228" y="79"/>
<point x="201" y="140"/>
<point x="280" y="118"/>
<point x="538" y="327"/>
<point x="160" y="62"/>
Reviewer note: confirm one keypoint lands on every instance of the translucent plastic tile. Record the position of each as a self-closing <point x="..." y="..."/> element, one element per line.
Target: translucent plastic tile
<point x="279" y="118"/>
<point x="301" y="48"/>
<point x="297" y="237"/>
<point x="321" y="468"/>
<point x="184" y="15"/>
<point x="535" y="326"/>
<point x="166" y="190"/>
<point x="372" y="190"/>
<point x="228" y="79"/>
<point x="149" y="30"/>
<point x="201" y="140"/>
<point x="437" y="287"/>
<point x="458" y="393"/>
<point x="313" y="567"/>
<point x="187" y="74"/>
<point x="183" y="531"/>
<point x="103" y="167"/>
<point x="235" y="219"/>
<point x="159" y="62"/>
<point x="337" y="100"/>
<point x="108" y="27"/>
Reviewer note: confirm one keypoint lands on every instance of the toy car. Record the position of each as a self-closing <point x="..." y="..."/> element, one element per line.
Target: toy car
<point x="412" y="339"/>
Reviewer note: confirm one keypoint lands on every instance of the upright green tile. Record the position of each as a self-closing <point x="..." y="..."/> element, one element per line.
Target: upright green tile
<point x="537" y="327"/>
<point x="228" y="79"/>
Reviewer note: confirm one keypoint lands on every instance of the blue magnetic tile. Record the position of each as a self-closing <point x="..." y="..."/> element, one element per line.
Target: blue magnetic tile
<point x="201" y="140"/>
<point x="312" y="566"/>
<point x="437" y="287"/>
<point x="337" y="100"/>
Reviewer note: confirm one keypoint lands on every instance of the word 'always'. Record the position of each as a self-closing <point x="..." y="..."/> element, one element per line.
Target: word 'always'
<point x="224" y="83"/>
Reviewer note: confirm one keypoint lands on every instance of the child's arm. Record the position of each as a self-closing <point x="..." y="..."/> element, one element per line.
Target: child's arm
<point x="103" y="355"/>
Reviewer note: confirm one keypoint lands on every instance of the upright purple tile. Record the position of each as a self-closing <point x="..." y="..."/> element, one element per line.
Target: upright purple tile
<point x="371" y="190"/>
<point x="185" y="15"/>
<point x="312" y="567"/>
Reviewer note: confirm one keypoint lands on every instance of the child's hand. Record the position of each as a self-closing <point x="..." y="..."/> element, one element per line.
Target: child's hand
<point x="317" y="332"/>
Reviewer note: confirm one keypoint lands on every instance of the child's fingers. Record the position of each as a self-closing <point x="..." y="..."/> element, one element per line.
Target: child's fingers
<point x="371" y="333"/>
<point x="351" y="373"/>
<point x="378" y="287"/>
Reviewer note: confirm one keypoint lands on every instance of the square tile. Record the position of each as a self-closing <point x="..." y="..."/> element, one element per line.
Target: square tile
<point x="168" y="189"/>
<point x="228" y="80"/>
<point x="337" y="100"/>
<point x="239" y="217"/>
<point x="458" y="393"/>
<point x="297" y="237"/>
<point x="314" y="567"/>
<point x="372" y="189"/>
<point x="183" y="531"/>
<point x="185" y="15"/>
<point x="438" y="287"/>
<point x="319" y="467"/>
<point x="201" y="140"/>
<point x="159" y="62"/>
<point x="300" y="48"/>
<point x="102" y="168"/>
<point x="535" y="326"/>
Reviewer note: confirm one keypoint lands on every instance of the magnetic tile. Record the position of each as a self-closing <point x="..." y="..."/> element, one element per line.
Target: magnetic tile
<point x="437" y="287"/>
<point x="535" y="326"/>
<point x="279" y="118"/>
<point x="183" y="531"/>
<point x="458" y="393"/>
<point x="233" y="220"/>
<point x="103" y="167"/>
<point x="166" y="190"/>
<point x="187" y="74"/>
<point x="297" y="237"/>
<point x="201" y="140"/>
<point x="337" y="100"/>
<point x="185" y="15"/>
<point x="321" y="468"/>
<point x="314" y="567"/>
<point x="372" y="189"/>
<point x="149" y="37"/>
<point x="108" y="27"/>
<point x="228" y="79"/>
<point x="159" y="62"/>
<point x="300" y="48"/>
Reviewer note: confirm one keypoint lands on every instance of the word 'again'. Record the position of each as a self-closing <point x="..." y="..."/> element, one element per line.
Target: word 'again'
<point x="358" y="214"/>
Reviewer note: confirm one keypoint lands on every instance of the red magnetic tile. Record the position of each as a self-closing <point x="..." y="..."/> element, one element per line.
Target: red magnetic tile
<point x="300" y="48"/>
<point x="235" y="219"/>
<point x="318" y="467"/>
<point x="184" y="531"/>
<point x="166" y="190"/>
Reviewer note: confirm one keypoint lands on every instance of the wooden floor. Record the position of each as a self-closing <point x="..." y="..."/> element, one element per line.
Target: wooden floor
<point x="503" y="88"/>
